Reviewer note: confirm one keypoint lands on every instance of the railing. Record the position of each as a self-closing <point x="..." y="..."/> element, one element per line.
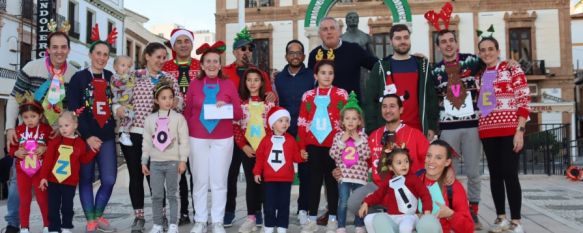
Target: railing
<point x="547" y="149"/>
<point x="536" y="67"/>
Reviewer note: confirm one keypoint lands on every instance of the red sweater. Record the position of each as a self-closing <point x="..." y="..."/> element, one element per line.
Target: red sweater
<point x="512" y="99"/>
<point x="172" y="68"/>
<point x="338" y="98"/>
<point x="385" y="195"/>
<point x="44" y="131"/>
<point x="285" y="173"/>
<point x="80" y="155"/>
<point x="414" y="140"/>
<point x="240" y="126"/>
<point x="461" y="221"/>
<point x="230" y="72"/>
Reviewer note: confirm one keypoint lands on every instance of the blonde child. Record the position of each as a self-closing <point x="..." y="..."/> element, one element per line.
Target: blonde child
<point x="60" y="172"/>
<point x="350" y="151"/>
<point x="166" y="146"/>
<point x="400" y="196"/>
<point x="122" y="86"/>
<point x="276" y="155"/>
<point x="32" y="137"/>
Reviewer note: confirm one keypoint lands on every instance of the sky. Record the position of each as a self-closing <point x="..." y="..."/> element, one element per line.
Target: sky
<point x="192" y="14"/>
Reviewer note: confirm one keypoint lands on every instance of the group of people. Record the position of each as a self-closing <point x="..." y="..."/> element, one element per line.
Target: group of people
<point x="185" y="114"/>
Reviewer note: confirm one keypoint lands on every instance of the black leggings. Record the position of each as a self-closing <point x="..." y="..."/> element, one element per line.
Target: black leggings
<point x="133" y="157"/>
<point x="253" y="191"/>
<point x="184" y="193"/>
<point x="503" y="167"/>
<point x="321" y="165"/>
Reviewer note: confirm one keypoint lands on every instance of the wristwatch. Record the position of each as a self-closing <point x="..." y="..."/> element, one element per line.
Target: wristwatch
<point x="521" y="129"/>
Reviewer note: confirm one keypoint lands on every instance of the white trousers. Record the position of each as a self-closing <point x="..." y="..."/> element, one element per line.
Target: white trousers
<point x="404" y="223"/>
<point x="209" y="162"/>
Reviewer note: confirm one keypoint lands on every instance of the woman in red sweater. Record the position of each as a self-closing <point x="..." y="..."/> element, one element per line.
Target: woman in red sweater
<point x="503" y="101"/>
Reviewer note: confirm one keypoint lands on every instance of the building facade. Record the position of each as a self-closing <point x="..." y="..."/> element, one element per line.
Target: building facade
<point x="137" y="37"/>
<point x="535" y="33"/>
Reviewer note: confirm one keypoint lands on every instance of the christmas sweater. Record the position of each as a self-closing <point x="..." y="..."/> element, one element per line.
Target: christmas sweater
<point x="240" y="126"/>
<point x="80" y="155"/>
<point x="143" y="99"/>
<point x="385" y="196"/>
<point x="231" y="72"/>
<point x="468" y="65"/>
<point x="461" y="221"/>
<point x="414" y="141"/>
<point x="184" y="73"/>
<point x="512" y="99"/>
<point x="286" y="172"/>
<point x="357" y="173"/>
<point x="338" y="98"/>
<point x="42" y="138"/>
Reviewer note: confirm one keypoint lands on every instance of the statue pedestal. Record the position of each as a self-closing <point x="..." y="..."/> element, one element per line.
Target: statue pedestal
<point x="313" y="37"/>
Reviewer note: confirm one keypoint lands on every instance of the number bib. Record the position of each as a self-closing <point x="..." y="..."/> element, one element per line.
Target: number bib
<point x="406" y="201"/>
<point x="350" y="154"/>
<point x="62" y="169"/>
<point x="277" y="156"/>
<point x="30" y="165"/>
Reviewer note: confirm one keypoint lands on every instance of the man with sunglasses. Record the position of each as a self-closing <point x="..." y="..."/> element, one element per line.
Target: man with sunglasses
<point x="243" y="51"/>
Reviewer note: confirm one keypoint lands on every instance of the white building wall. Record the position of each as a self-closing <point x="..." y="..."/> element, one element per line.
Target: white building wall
<point x="232" y="4"/>
<point x="282" y="33"/>
<point x="497" y="18"/>
<point x="466" y="33"/>
<point x="419" y="39"/>
<point x="285" y="3"/>
<point x="231" y="30"/>
<point x="304" y="2"/>
<point x="9" y="41"/>
<point x="547" y="41"/>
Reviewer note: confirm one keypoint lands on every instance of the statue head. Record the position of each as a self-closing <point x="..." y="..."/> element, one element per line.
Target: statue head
<point x="352" y="19"/>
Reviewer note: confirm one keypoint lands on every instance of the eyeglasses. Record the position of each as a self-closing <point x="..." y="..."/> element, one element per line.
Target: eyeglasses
<point x="295" y="54"/>
<point x="245" y="48"/>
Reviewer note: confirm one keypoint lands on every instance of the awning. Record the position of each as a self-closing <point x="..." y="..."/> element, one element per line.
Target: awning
<point x="8" y="74"/>
<point x="7" y="80"/>
<point x="568" y="107"/>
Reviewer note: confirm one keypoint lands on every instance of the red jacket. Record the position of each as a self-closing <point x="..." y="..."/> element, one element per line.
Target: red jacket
<point x="230" y="72"/>
<point x="285" y="173"/>
<point x="80" y="155"/>
<point x="414" y="140"/>
<point x="461" y="221"/>
<point x="338" y="98"/>
<point x="385" y="195"/>
<point x="171" y="67"/>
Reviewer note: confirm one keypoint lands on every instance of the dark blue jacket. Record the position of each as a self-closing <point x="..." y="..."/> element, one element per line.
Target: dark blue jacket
<point x="290" y="90"/>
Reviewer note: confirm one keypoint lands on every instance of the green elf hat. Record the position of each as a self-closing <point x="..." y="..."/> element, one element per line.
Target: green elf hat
<point x="352" y="103"/>
<point x="243" y="38"/>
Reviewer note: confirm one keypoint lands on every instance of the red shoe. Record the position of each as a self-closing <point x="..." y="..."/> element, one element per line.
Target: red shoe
<point x="323" y="220"/>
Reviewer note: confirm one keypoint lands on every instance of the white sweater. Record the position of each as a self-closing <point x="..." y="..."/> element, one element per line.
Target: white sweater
<point x="178" y="150"/>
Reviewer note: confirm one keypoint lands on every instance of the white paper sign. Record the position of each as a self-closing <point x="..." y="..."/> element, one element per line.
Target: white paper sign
<point x="212" y="112"/>
<point x="467" y="109"/>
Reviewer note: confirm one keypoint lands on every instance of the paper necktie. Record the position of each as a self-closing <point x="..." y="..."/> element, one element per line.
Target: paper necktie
<point x="487" y="97"/>
<point x="30" y="165"/>
<point x="210" y="97"/>
<point x="162" y="137"/>
<point x="62" y="169"/>
<point x="321" y="125"/>
<point x="52" y="92"/>
<point x="276" y="157"/>
<point x="255" y="126"/>
<point x="350" y="154"/>
<point x="100" y="108"/>
<point x="406" y="201"/>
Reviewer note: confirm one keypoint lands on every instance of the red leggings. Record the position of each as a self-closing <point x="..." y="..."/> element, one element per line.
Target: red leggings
<point x="25" y="186"/>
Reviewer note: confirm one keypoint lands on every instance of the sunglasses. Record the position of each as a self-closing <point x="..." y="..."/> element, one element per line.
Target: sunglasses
<point x="245" y="48"/>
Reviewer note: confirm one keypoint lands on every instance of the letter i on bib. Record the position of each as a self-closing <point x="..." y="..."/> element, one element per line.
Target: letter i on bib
<point x="277" y="156"/>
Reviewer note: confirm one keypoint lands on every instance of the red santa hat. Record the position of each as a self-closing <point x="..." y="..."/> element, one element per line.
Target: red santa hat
<point x="177" y="32"/>
<point x="275" y="113"/>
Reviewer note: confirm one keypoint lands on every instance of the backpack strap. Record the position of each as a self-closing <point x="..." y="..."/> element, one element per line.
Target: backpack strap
<point x="449" y="189"/>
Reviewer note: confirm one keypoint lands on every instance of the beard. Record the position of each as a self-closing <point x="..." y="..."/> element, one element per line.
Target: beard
<point x="400" y="51"/>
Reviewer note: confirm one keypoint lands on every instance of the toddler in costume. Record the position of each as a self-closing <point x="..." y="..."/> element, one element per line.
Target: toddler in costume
<point x="122" y="86"/>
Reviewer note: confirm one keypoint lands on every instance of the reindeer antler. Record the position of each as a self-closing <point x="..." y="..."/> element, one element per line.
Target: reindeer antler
<point x="95" y="33"/>
<point x="112" y="36"/>
<point x="444" y="15"/>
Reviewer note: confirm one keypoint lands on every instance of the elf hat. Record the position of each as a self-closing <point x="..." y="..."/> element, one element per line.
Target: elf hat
<point x="177" y="32"/>
<point x="352" y="103"/>
<point x="275" y="113"/>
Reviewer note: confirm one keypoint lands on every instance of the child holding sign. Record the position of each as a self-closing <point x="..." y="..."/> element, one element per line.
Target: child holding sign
<point x="165" y="146"/>
<point x="60" y="172"/>
<point x="350" y="151"/>
<point x="276" y="155"/>
<point x="32" y="140"/>
<point x="248" y="132"/>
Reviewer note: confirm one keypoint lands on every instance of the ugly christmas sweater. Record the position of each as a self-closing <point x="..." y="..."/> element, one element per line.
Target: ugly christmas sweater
<point x="79" y="155"/>
<point x="358" y="172"/>
<point x="291" y="153"/>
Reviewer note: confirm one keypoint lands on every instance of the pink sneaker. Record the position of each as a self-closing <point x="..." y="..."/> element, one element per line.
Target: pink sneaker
<point x="104" y="226"/>
<point x="91" y="227"/>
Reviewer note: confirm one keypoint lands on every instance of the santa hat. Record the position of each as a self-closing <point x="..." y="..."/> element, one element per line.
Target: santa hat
<point x="177" y="32"/>
<point x="275" y="113"/>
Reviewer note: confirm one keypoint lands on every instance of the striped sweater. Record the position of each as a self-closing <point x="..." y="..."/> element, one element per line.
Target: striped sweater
<point x="512" y="99"/>
<point x="30" y="78"/>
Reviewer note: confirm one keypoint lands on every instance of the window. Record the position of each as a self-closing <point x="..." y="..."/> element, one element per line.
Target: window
<point x="27" y="9"/>
<point x="73" y="16"/>
<point x="261" y="54"/>
<point x="258" y="3"/>
<point x="382" y="45"/>
<point x="129" y="48"/>
<point x="90" y="22"/>
<point x="137" y="53"/>
<point x="521" y="47"/>
<point x="25" y="53"/>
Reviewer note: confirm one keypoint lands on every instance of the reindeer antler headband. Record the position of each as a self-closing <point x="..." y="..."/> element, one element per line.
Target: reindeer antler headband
<point x="95" y="38"/>
<point x="445" y="14"/>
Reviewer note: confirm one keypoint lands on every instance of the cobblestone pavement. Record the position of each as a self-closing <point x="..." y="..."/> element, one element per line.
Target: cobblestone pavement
<point x="550" y="204"/>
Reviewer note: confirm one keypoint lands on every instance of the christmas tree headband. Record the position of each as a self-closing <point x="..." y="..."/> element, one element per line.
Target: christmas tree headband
<point x="242" y="38"/>
<point x="481" y="35"/>
<point x="352" y="103"/>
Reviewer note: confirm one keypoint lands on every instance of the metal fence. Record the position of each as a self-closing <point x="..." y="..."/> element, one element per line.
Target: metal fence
<point x="547" y="150"/>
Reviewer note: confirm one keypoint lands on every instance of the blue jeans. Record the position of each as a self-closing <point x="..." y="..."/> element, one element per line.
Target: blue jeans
<point x="344" y="190"/>
<point x="13" y="203"/>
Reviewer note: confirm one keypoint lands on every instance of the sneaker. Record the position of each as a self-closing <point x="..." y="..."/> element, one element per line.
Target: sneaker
<point x="515" y="228"/>
<point x="303" y="217"/>
<point x="91" y="227"/>
<point x="165" y="223"/>
<point x="138" y="225"/>
<point x="11" y="229"/>
<point x="124" y="139"/>
<point x="173" y="228"/>
<point x="500" y="225"/>
<point x="248" y="226"/>
<point x="359" y="230"/>
<point x="24" y="230"/>
<point x="63" y="230"/>
<point x="258" y="218"/>
<point x="477" y="224"/>
<point x="323" y="220"/>
<point x="310" y="227"/>
<point x="228" y="219"/>
<point x="156" y="229"/>
<point x="269" y="230"/>
<point x="341" y="230"/>
<point x="332" y="226"/>
<point x="103" y="225"/>
<point x="184" y="219"/>
<point x="45" y="230"/>
<point x="218" y="228"/>
<point x="281" y="230"/>
<point x="198" y="228"/>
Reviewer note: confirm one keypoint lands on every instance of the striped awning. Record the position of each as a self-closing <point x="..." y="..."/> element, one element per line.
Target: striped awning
<point x="8" y="74"/>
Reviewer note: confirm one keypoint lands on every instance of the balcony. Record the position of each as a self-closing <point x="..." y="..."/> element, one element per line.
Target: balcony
<point x="536" y="67"/>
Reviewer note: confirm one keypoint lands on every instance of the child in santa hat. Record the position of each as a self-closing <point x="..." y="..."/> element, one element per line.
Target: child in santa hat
<point x="274" y="166"/>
